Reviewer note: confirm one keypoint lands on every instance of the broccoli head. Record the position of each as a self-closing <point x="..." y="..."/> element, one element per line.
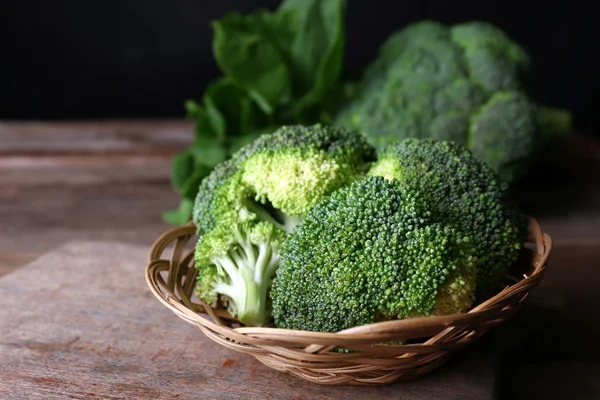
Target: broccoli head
<point x="371" y="252"/>
<point x="463" y="191"/>
<point x="434" y="81"/>
<point x="281" y="175"/>
<point x="273" y="182"/>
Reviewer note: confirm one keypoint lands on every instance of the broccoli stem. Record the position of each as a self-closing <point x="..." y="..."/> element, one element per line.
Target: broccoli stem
<point x="250" y="269"/>
<point x="267" y="213"/>
<point x="554" y="123"/>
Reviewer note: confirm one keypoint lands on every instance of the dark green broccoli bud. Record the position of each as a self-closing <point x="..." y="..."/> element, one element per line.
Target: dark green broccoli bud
<point x="490" y="68"/>
<point x="423" y="32"/>
<point x="460" y="95"/>
<point x="450" y="126"/>
<point x="428" y="78"/>
<point x="482" y="34"/>
<point x="236" y="266"/>
<point x="435" y="62"/>
<point x="370" y="252"/>
<point x="503" y="133"/>
<point x="463" y="191"/>
<point x="380" y="120"/>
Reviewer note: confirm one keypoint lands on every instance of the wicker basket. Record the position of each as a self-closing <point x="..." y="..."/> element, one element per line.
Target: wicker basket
<point x="430" y="341"/>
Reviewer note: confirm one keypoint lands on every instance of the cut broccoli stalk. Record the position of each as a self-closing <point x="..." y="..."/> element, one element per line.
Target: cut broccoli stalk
<point x="554" y="122"/>
<point x="268" y="213"/>
<point x="239" y="265"/>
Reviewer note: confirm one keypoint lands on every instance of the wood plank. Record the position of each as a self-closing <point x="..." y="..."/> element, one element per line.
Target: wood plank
<point x="40" y="217"/>
<point x="81" y="323"/>
<point x="94" y="137"/>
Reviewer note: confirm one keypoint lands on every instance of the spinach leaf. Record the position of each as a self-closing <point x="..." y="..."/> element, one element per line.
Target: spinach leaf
<point x="182" y="166"/>
<point x="181" y="215"/>
<point x="317" y="55"/>
<point x="246" y="53"/>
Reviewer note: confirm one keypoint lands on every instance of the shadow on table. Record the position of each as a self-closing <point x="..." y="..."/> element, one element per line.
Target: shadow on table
<point x="550" y="348"/>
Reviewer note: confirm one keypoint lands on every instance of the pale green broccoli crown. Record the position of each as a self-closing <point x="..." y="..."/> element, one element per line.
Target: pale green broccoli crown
<point x="423" y="32"/>
<point x="293" y="181"/>
<point x="367" y="253"/>
<point x="280" y="176"/>
<point x="463" y="191"/>
<point x="236" y="266"/>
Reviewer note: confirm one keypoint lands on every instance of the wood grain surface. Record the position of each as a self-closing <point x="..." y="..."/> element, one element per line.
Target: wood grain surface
<point x="80" y="323"/>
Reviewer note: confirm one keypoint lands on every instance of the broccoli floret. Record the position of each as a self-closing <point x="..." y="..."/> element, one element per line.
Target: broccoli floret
<point x="236" y="266"/>
<point x="216" y="192"/>
<point x="274" y="180"/>
<point x="464" y="191"/>
<point x="503" y="132"/>
<point x="480" y="34"/>
<point x="423" y="32"/>
<point x="297" y="166"/>
<point x="281" y="175"/>
<point x="370" y="252"/>
<point x="433" y="81"/>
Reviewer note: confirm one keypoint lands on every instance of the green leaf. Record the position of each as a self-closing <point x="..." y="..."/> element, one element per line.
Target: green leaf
<point x="204" y="127"/>
<point x="182" y="167"/>
<point x="207" y="152"/>
<point x="318" y="27"/>
<point x="245" y="51"/>
<point x="238" y="109"/>
<point x="180" y="216"/>
<point x="192" y="184"/>
<point x="317" y="53"/>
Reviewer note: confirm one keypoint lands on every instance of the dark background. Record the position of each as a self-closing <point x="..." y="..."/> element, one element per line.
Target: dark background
<point x="76" y="59"/>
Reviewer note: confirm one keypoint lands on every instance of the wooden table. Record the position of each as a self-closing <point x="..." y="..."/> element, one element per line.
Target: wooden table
<point x="110" y="181"/>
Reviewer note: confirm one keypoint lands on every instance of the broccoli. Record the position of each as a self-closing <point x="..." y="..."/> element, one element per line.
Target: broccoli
<point x="271" y="182"/>
<point x="280" y="176"/>
<point x="238" y="263"/>
<point x="464" y="191"/>
<point x="450" y="83"/>
<point x="371" y="252"/>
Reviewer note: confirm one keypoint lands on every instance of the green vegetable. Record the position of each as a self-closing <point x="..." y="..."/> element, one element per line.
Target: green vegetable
<point x="280" y="68"/>
<point x="463" y="191"/>
<point x="371" y="252"/>
<point x="248" y="203"/>
<point x="236" y="266"/>
<point x="465" y="83"/>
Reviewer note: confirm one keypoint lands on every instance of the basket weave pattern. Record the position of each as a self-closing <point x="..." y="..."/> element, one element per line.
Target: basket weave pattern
<point x="429" y="341"/>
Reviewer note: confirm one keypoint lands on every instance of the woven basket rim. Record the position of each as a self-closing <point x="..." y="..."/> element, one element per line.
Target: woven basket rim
<point x="363" y="333"/>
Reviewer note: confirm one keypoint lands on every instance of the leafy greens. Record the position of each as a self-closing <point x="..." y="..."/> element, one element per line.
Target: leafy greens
<point x="280" y="67"/>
